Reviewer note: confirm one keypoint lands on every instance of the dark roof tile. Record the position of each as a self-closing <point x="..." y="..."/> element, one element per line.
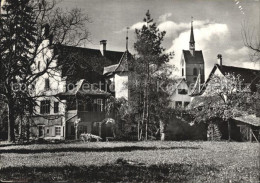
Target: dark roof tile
<point x="190" y="59"/>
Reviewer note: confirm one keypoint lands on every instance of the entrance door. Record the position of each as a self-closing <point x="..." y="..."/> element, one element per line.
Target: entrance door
<point x="40" y="131"/>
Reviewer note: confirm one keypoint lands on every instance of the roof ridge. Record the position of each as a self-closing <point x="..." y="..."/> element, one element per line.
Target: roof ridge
<point x="236" y="67"/>
<point x="90" y="48"/>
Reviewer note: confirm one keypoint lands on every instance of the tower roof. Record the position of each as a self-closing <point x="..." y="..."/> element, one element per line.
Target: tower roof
<point x="197" y="58"/>
<point x="191" y="32"/>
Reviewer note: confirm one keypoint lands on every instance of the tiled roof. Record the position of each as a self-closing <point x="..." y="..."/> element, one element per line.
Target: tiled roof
<point x="248" y="75"/>
<point x="110" y="69"/>
<point x="122" y="66"/>
<point x="249" y="119"/>
<point x="79" y="90"/>
<point x="190" y="59"/>
<point x="83" y="55"/>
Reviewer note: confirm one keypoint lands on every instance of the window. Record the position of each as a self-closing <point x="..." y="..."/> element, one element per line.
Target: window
<point x="57" y="130"/>
<point x="45" y="107"/>
<point x="89" y="106"/>
<point x="182" y="72"/>
<point x="47" y="84"/>
<point x="48" y="131"/>
<point x="40" y="131"/>
<point x="56" y="107"/>
<point x="99" y="105"/>
<point x="182" y="91"/>
<point x="186" y="104"/>
<point x="195" y="72"/>
<point x="178" y="104"/>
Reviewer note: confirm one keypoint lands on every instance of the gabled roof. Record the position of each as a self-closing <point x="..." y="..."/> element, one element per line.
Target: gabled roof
<point x="248" y="75"/>
<point x="177" y="84"/>
<point x="83" y="55"/>
<point x="197" y="58"/>
<point x="122" y="66"/>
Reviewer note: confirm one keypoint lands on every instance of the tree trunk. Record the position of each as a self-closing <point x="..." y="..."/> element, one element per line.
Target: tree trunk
<point x="11" y="122"/>
<point x="28" y="131"/>
<point x="229" y="131"/>
<point x="138" y="130"/>
<point x="146" y="129"/>
<point x="76" y="132"/>
<point x="162" y="136"/>
<point x="162" y="130"/>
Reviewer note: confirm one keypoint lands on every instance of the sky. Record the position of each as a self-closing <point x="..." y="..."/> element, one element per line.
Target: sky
<point x="217" y="26"/>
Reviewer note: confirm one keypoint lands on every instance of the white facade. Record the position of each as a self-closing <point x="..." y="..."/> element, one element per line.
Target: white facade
<point x="180" y="95"/>
<point x="121" y="88"/>
<point x="45" y="89"/>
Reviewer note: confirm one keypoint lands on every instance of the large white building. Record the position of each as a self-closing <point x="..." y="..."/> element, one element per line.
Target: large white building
<point x="71" y="100"/>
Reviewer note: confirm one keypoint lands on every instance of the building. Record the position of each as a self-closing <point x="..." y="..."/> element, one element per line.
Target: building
<point x="72" y="97"/>
<point x="244" y="127"/>
<point x="180" y="96"/>
<point x="192" y="62"/>
<point x="118" y="74"/>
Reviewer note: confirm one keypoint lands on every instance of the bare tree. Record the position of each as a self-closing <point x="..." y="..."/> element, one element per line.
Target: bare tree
<point x="32" y="30"/>
<point x="251" y="39"/>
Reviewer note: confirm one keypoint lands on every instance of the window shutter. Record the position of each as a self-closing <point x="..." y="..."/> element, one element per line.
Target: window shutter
<point x="62" y="131"/>
<point x="53" y="131"/>
<point x="47" y="84"/>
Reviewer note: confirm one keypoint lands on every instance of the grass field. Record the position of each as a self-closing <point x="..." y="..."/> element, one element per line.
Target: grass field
<point x="132" y="162"/>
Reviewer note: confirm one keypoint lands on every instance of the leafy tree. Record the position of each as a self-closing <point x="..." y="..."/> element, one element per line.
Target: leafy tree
<point x="149" y="75"/>
<point x="225" y="98"/>
<point x="28" y="29"/>
<point x="119" y="110"/>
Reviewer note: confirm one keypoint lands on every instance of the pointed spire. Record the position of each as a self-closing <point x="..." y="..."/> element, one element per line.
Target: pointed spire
<point x="192" y="41"/>
<point x="127" y="38"/>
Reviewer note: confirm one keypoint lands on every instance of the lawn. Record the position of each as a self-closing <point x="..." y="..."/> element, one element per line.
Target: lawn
<point x="132" y="162"/>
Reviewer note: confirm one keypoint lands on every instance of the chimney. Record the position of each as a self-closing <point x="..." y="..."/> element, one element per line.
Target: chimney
<point x="103" y="45"/>
<point x="219" y="59"/>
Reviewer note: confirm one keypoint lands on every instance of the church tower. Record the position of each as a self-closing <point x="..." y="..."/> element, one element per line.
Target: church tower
<point x="192" y="62"/>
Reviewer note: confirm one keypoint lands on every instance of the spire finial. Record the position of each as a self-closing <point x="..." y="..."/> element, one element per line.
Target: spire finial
<point x="192" y="41"/>
<point x="127" y="38"/>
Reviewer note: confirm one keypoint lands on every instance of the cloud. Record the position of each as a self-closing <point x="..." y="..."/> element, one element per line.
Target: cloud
<point x="137" y="25"/>
<point x="240" y="57"/>
<point x="164" y="17"/>
<point x="237" y="52"/>
<point x="251" y="65"/>
<point x="173" y="29"/>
